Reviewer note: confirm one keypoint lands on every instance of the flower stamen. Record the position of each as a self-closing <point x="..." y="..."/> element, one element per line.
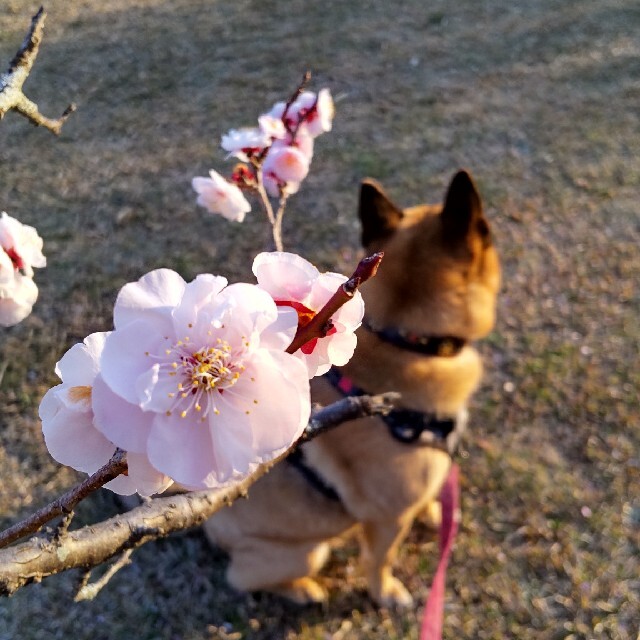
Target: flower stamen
<point x="201" y="372"/>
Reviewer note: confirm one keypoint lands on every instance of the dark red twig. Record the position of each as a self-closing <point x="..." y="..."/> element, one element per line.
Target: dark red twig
<point x="63" y="505"/>
<point x="320" y="324"/>
<point x="296" y="94"/>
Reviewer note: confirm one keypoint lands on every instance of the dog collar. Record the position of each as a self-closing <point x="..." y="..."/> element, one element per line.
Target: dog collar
<point x="442" y="346"/>
<point x="405" y="425"/>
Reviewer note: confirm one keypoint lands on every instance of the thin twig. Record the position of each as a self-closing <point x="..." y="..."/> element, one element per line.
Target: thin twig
<point x="11" y="94"/>
<point x="63" y="526"/>
<point x="294" y="96"/>
<point x="89" y="590"/>
<point x="277" y="225"/>
<point x="266" y="203"/>
<point x="65" y="503"/>
<point x="321" y="322"/>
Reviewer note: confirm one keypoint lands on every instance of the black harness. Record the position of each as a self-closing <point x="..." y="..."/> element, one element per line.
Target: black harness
<point x="405" y="425"/>
<point x="296" y="460"/>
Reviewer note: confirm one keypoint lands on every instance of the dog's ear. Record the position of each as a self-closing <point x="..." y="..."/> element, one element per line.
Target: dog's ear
<point x="462" y="211"/>
<point x="378" y="215"/>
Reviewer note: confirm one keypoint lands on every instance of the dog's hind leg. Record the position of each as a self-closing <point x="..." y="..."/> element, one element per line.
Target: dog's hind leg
<point x="281" y="567"/>
<point x="380" y="542"/>
<point x="431" y="515"/>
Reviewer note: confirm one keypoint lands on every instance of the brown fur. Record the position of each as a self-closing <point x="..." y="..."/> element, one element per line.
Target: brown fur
<point x="440" y="276"/>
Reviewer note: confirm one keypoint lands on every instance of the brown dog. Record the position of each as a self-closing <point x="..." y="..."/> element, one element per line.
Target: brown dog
<point x="435" y="292"/>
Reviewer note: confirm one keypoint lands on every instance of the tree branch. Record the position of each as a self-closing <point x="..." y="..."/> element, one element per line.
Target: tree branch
<point x="11" y="95"/>
<point x="346" y="409"/>
<point x="65" y="503"/>
<point x="317" y="327"/>
<point x="39" y="557"/>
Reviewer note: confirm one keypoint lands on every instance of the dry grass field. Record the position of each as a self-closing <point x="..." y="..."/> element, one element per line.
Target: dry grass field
<point x="539" y="99"/>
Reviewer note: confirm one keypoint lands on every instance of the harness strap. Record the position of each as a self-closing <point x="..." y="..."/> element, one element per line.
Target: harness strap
<point x="405" y="425"/>
<point x="296" y="460"/>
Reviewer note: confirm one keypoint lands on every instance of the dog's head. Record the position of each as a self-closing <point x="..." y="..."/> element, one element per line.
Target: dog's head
<point x="440" y="274"/>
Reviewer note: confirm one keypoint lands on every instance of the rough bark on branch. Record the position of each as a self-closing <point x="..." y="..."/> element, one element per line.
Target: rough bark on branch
<point x="65" y="503"/>
<point x="39" y="557"/>
<point x="11" y="95"/>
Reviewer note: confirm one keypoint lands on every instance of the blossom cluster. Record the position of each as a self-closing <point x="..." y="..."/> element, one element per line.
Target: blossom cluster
<point x="195" y="382"/>
<point x="276" y="154"/>
<point x="20" y="251"/>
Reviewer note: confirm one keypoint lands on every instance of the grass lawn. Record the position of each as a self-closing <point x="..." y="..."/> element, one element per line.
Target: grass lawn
<point x="539" y="99"/>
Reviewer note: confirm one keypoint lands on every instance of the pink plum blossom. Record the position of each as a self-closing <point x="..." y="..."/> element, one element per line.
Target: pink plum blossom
<point x="316" y="111"/>
<point x="286" y="164"/>
<point x="296" y="284"/>
<point x="304" y="143"/>
<point x="309" y="111"/>
<point x="217" y="195"/>
<point x="20" y="251"/>
<point x="206" y="365"/>
<point x="18" y="293"/>
<point x="272" y="127"/>
<point x="244" y="143"/>
<point x="69" y="429"/>
<point x="275" y="188"/>
<point x="277" y="111"/>
<point x="22" y="243"/>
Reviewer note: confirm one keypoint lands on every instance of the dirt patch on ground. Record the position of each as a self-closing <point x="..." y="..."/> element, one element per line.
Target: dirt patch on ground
<point x="539" y="100"/>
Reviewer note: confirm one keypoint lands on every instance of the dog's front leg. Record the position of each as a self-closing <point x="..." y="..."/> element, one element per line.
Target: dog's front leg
<point x="380" y="542"/>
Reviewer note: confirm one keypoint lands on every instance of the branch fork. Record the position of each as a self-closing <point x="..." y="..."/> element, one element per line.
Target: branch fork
<point x="11" y="94"/>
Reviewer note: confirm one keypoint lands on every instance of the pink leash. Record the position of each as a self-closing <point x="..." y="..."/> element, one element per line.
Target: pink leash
<point x="432" y="617"/>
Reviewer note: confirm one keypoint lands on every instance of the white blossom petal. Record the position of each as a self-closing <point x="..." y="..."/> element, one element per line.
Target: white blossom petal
<point x="128" y="353"/>
<point x="152" y="297"/>
<point x="71" y="437"/>
<point x="124" y="423"/>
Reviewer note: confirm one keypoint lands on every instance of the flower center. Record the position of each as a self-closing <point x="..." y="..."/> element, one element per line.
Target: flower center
<point x="18" y="262"/>
<point x="207" y="368"/>
<point x="200" y="375"/>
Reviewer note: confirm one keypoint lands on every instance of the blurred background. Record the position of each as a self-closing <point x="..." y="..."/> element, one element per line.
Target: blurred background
<point x="538" y="99"/>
